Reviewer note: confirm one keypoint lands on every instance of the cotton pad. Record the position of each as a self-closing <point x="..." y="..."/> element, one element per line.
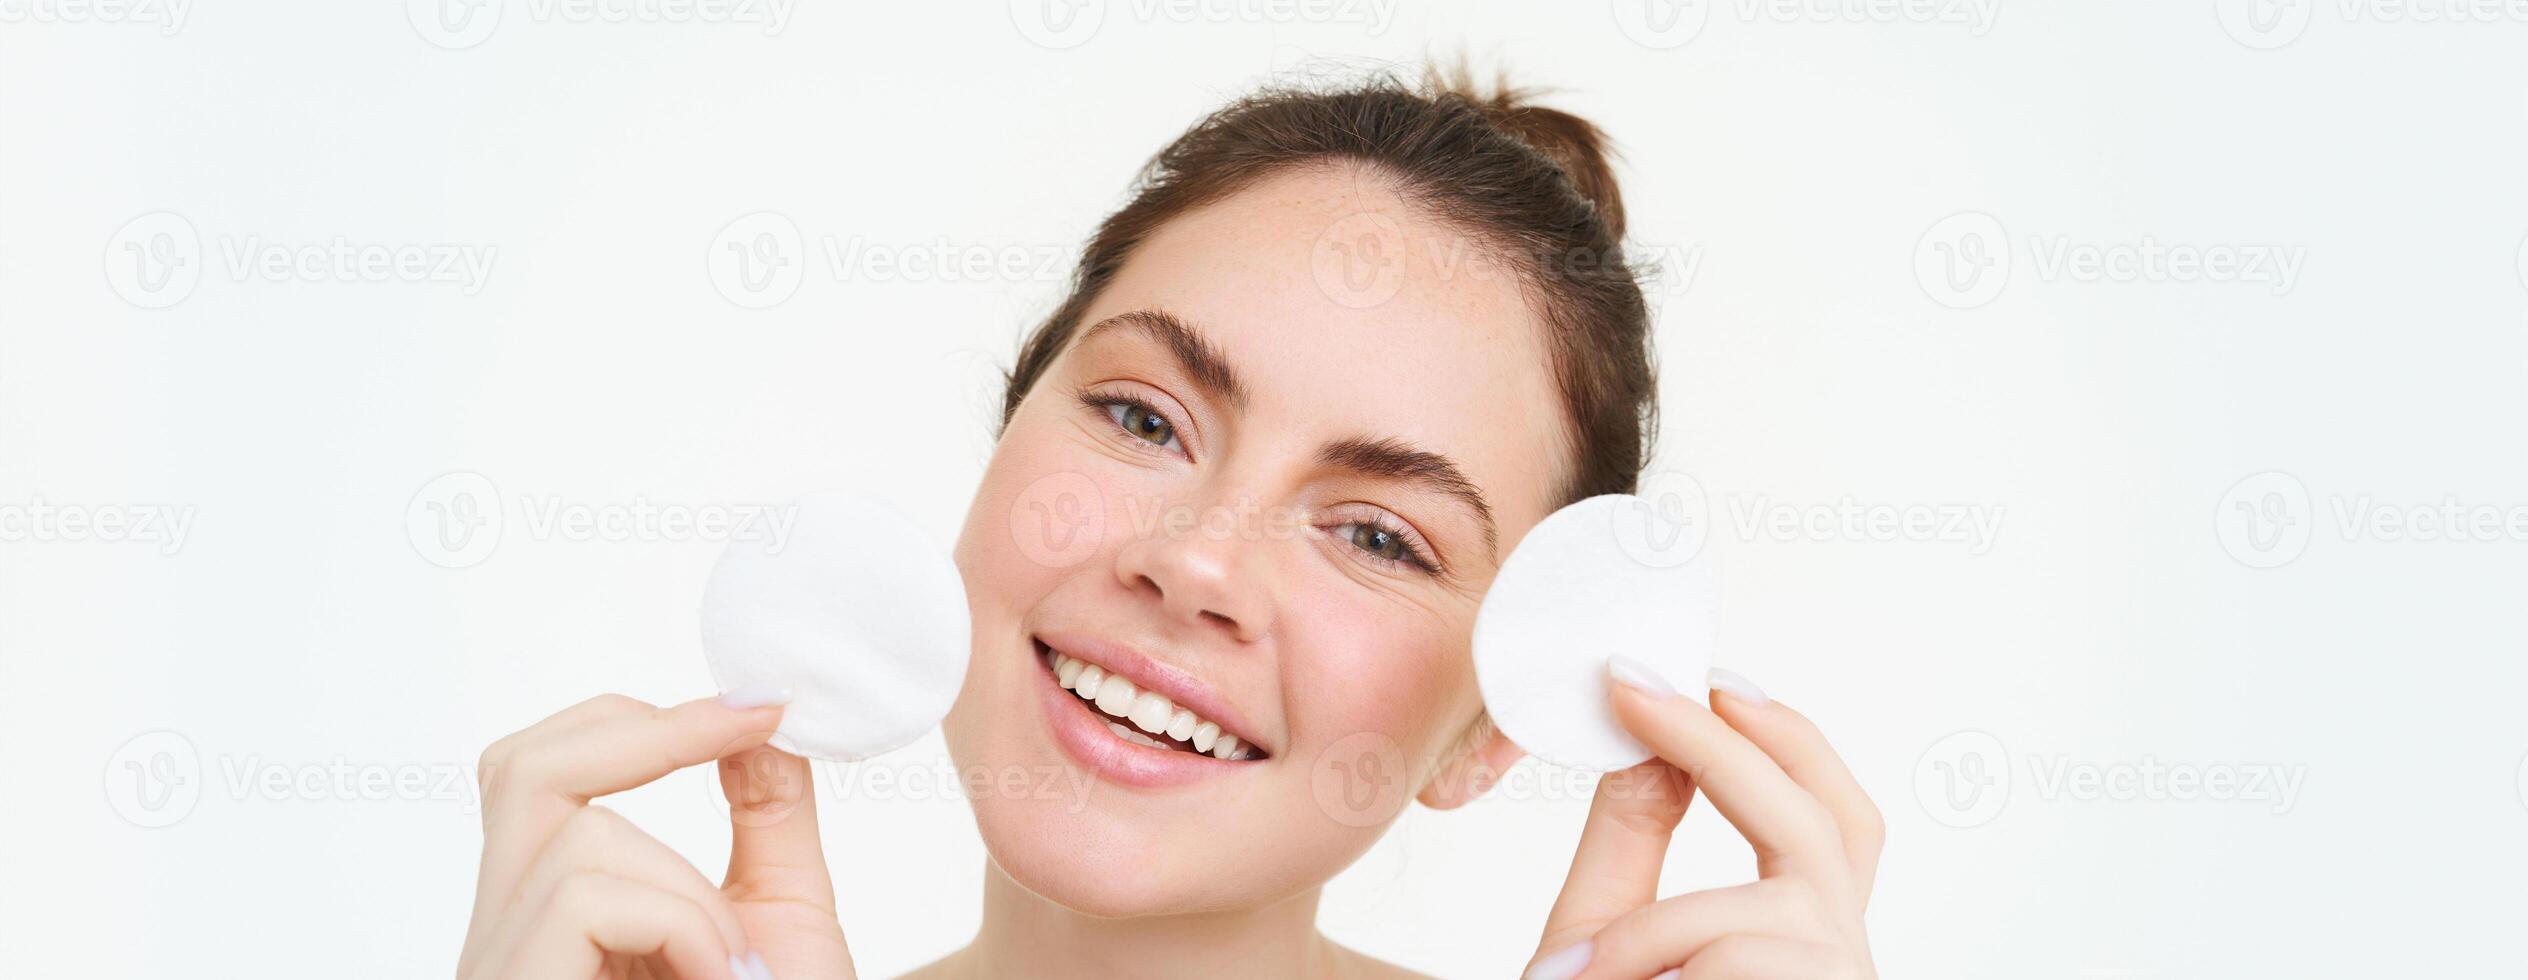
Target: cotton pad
<point x="1596" y="578"/>
<point x="857" y="611"/>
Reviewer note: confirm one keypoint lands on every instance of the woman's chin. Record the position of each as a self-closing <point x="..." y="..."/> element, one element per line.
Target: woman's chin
<point x="1093" y="864"/>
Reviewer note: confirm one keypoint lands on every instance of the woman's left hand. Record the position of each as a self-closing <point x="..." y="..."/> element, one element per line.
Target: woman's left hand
<point x="1771" y="773"/>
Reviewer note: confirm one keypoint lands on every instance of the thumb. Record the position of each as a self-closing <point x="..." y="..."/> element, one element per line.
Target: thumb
<point x="774" y="852"/>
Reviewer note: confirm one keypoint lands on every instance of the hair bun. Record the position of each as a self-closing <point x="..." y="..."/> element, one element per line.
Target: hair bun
<point x="1575" y="145"/>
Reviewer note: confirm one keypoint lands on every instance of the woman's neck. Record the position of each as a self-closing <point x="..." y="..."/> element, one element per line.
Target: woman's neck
<point x="1023" y="934"/>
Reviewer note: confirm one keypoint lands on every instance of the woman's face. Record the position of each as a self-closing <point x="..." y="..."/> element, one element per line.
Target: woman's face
<point x="1266" y="484"/>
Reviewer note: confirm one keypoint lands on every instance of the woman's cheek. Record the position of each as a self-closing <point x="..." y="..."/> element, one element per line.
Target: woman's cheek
<point x="1047" y="509"/>
<point x="1366" y="681"/>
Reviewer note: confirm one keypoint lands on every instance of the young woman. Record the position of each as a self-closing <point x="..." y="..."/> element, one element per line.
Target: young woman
<point x="1337" y="354"/>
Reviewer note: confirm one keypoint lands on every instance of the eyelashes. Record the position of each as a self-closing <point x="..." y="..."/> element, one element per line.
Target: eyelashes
<point x="1375" y="539"/>
<point x="1368" y="538"/>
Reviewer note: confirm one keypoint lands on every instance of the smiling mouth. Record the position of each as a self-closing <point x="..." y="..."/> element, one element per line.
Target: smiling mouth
<point x="1144" y="718"/>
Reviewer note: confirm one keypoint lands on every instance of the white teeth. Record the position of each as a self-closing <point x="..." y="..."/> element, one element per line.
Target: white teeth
<point x="1148" y="711"/>
<point x="1132" y="736"/>
<point x="1151" y="711"/>
<point x="1115" y="696"/>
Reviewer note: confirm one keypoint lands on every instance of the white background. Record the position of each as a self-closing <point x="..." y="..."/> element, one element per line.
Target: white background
<point x="1802" y="161"/>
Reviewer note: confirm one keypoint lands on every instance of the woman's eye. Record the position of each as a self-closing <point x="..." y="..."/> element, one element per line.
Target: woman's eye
<point x="1378" y="541"/>
<point x="1387" y="546"/>
<point x="1144" y="424"/>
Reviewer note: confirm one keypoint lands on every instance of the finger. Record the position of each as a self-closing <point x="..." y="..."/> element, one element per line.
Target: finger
<point x="1615" y="869"/>
<point x="1791" y="831"/>
<point x="1744" y="957"/>
<point x="1667" y="933"/>
<point x="591" y="915"/>
<point x="598" y="840"/>
<point x="594" y="709"/>
<point x="498" y="870"/>
<point x="1794" y="743"/>
<point x="774" y="851"/>
<point x="541" y="781"/>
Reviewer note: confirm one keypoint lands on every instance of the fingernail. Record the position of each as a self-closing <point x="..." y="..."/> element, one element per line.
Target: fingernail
<point x="737" y="968"/>
<point x="746" y="696"/>
<point x="1639" y="676"/>
<point x="762" y="972"/>
<point x="1729" y="683"/>
<point x="1561" y="964"/>
<point x="1671" y="973"/>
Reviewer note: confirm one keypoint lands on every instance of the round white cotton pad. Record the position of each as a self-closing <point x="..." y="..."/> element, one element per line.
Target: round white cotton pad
<point x="857" y="611"/>
<point x="1605" y="575"/>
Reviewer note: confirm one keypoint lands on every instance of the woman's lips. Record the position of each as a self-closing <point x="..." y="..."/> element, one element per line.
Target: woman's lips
<point x="1082" y="732"/>
<point x="1147" y="673"/>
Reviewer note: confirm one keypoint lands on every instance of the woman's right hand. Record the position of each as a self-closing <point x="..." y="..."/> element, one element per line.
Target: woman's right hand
<point x="568" y="889"/>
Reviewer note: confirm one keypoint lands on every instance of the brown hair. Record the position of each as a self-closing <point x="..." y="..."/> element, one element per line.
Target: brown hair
<point x="1531" y="183"/>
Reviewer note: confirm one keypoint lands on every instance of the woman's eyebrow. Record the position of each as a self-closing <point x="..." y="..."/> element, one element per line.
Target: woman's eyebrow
<point x="1390" y="459"/>
<point x="1195" y="353"/>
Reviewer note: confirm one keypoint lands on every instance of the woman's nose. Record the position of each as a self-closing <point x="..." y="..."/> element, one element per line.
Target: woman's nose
<point x="1203" y="578"/>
